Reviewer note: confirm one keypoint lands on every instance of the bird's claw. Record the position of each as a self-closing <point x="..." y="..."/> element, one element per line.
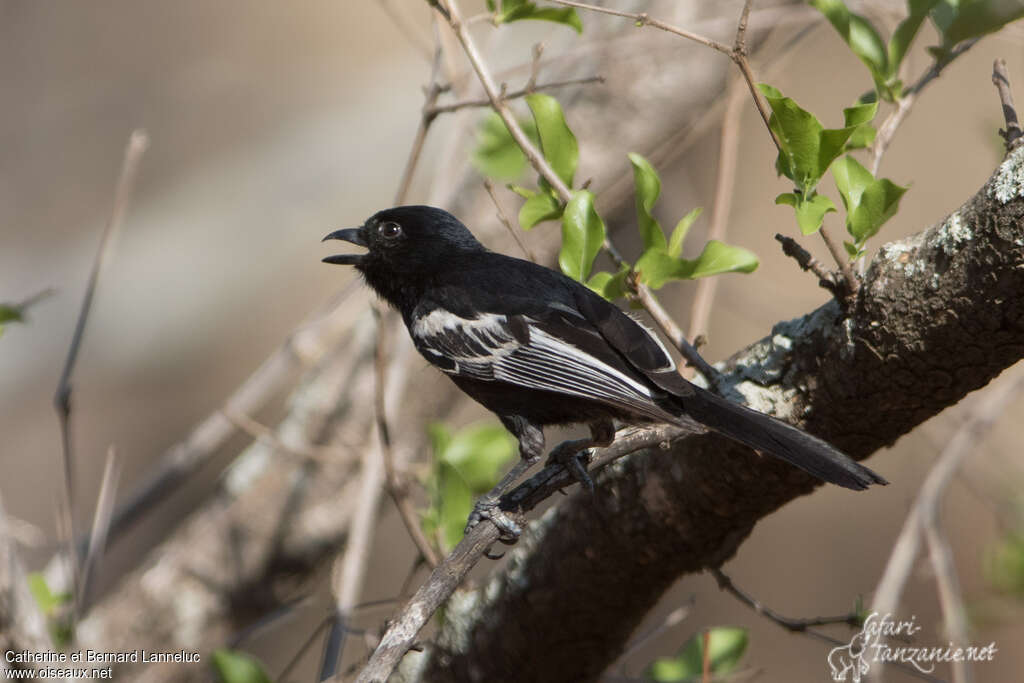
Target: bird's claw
<point x="574" y="462"/>
<point x="487" y="508"/>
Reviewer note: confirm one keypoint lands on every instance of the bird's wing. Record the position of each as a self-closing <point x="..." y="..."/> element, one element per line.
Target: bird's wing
<point x="552" y="348"/>
<point x="637" y="345"/>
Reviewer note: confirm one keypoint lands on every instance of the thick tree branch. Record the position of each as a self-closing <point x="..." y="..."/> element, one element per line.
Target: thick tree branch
<point x="939" y="316"/>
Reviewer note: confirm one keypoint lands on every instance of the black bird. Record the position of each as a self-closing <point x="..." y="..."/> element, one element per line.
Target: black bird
<point x="538" y="348"/>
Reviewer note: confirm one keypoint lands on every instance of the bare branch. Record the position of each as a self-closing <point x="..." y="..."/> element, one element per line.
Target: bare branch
<point x="792" y="249"/>
<point x="503" y="217"/>
<point x="397" y="484"/>
<point x="923" y="516"/>
<point x="137" y="143"/>
<point x="728" y="149"/>
<point x="515" y="94"/>
<point x="1001" y="79"/>
<point x="449" y="574"/>
<point x="100" y="525"/>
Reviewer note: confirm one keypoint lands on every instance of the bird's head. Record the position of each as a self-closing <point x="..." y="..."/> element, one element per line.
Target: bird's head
<point x="405" y="244"/>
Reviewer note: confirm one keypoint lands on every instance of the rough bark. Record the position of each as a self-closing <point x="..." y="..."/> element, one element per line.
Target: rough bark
<point x="939" y="315"/>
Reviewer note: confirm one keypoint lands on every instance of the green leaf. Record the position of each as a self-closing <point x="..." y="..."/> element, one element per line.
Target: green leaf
<point x="497" y="155"/>
<point x="808" y="148"/>
<point x="517" y="10"/>
<point x="1004" y="564"/>
<point x="675" y="244"/>
<point x="960" y="20"/>
<point x="610" y="285"/>
<point x="583" y="234"/>
<point x="726" y="646"/>
<point x="862" y="38"/>
<point x="719" y="257"/>
<point x="905" y="33"/>
<point x="656" y="267"/>
<point x="10" y="313"/>
<point x="646" y="187"/>
<point x="809" y="212"/>
<point x="557" y="141"/>
<point x="540" y="207"/>
<point x="45" y="599"/>
<point x="869" y="202"/>
<point x="237" y="667"/>
<point x="466" y="464"/>
<point x="859" y="118"/>
<point x="853" y="251"/>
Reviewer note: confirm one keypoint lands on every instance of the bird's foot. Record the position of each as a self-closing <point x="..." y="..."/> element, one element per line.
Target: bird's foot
<point x="487" y="508"/>
<point x="574" y="460"/>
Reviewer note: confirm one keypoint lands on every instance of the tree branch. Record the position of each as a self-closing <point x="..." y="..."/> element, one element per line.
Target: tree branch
<point x="921" y="336"/>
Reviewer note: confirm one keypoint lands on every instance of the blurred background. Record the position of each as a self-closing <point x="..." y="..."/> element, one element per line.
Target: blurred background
<point x="271" y="124"/>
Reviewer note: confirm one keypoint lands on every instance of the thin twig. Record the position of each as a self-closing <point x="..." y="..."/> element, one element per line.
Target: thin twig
<point x="788" y="623"/>
<point x="137" y="143"/>
<point x="888" y="128"/>
<point x="792" y="248"/>
<point x="396" y="484"/>
<point x="538" y="52"/>
<point x="1001" y="79"/>
<point x="503" y="217"/>
<point x="261" y="432"/>
<point x="100" y="526"/>
<point x="924" y="515"/>
<point x="433" y="91"/>
<point x="642" y="19"/>
<point x="851" y="282"/>
<point x="447" y="576"/>
<point x="515" y="94"/>
<point x="728" y="149"/>
<point x="350" y="568"/>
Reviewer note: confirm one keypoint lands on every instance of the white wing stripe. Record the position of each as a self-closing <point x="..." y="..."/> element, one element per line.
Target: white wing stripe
<point x="546" y="362"/>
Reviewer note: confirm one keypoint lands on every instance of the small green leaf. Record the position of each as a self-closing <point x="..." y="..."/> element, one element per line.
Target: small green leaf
<point x="656" y="267"/>
<point x="646" y="187"/>
<point x="809" y="212"/>
<point x="726" y="646"/>
<point x="610" y="285"/>
<point x="540" y="207"/>
<point x="905" y="33"/>
<point x="960" y="20"/>
<point x="466" y="464"/>
<point x="853" y="251"/>
<point x="497" y="155"/>
<point x="719" y="257"/>
<point x="808" y="148"/>
<point x="47" y="601"/>
<point x="675" y="243"/>
<point x="237" y="667"/>
<point x="583" y="234"/>
<point x="9" y="313"/>
<point x="1004" y="564"/>
<point x="557" y="141"/>
<point x="859" y="118"/>
<point x="869" y="202"/>
<point x="518" y="10"/>
<point x="862" y="38"/>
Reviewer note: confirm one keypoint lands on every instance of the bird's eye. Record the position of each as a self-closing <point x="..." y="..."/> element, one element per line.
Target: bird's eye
<point x="389" y="230"/>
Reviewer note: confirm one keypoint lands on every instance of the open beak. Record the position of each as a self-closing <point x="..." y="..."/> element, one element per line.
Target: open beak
<point x="353" y="235"/>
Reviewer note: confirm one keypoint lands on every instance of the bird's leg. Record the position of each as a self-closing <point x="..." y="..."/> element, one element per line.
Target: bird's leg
<point x="531" y="446"/>
<point x="572" y="456"/>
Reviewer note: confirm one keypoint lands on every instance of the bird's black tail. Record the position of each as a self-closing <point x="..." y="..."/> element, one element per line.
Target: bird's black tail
<point x="764" y="433"/>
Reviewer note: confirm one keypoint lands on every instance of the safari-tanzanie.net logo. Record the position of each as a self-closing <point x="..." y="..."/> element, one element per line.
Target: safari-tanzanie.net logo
<point x="884" y="639"/>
